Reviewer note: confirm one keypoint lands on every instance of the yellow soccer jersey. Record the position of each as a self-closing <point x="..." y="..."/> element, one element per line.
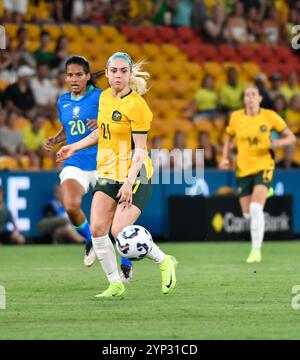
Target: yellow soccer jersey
<point x="118" y="119"/>
<point x="253" y="140"/>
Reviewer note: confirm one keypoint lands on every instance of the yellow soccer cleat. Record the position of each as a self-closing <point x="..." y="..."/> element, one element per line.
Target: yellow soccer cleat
<point x="114" y="291"/>
<point x="168" y="275"/>
<point x="254" y="256"/>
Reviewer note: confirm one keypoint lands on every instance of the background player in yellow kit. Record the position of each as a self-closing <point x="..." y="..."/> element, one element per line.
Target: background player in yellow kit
<point x="255" y="166"/>
<point x="123" y="186"/>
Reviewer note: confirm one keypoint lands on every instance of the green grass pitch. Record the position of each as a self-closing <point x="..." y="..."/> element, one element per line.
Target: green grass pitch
<point x="50" y="295"/>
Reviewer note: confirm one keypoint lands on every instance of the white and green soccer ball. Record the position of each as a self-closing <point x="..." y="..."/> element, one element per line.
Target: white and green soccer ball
<point x="134" y="242"/>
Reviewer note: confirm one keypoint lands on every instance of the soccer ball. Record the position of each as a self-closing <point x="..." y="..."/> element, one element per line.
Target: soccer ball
<point x="134" y="242"/>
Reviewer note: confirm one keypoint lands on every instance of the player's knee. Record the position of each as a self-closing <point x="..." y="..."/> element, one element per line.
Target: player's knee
<point x="98" y="230"/>
<point x="72" y="208"/>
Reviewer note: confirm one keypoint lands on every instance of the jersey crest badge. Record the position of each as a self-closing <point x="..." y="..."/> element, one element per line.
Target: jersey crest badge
<point x="116" y="116"/>
<point x="76" y="112"/>
<point x="263" y="128"/>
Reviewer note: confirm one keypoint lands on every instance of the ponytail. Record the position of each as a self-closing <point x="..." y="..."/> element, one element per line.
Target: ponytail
<point x="138" y="79"/>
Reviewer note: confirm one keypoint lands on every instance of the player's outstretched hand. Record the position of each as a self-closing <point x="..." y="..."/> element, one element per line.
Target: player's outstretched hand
<point x="49" y="144"/>
<point x="224" y="164"/>
<point x="125" y="195"/>
<point x="92" y="124"/>
<point x="64" y="153"/>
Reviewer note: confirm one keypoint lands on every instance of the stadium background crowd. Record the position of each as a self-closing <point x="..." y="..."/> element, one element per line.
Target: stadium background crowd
<point x="201" y="54"/>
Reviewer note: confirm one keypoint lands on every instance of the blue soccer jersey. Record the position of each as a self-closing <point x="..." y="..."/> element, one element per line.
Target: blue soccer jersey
<point x="73" y="113"/>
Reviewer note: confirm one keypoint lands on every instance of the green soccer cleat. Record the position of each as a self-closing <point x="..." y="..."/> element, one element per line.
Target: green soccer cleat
<point x="254" y="256"/>
<point x="114" y="291"/>
<point x="168" y="275"/>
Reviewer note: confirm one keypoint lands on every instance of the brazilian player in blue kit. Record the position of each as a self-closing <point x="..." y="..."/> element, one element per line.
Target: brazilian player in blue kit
<point x="76" y="110"/>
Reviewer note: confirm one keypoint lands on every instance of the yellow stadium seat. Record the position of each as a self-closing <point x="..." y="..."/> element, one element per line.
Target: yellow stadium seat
<point x="250" y="68"/>
<point x="212" y="68"/>
<point x="3" y="84"/>
<point x="71" y="31"/>
<point x="11" y="30"/>
<point x="150" y="51"/>
<point x="133" y="50"/>
<point x="230" y="64"/>
<point x="31" y="46"/>
<point x="171" y="51"/>
<point x="109" y="32"/>
<point x="8" y="163"/>
<point x="21" y="123"/>
<point x="54" y="30"/>
<point x="76" y="47"/>
<point x="174" y="68"/>
<point x="204" y="125"/>
<point x="33" y="31"/>
<point x="89" y="32"/>
<point x="184" y="125"/>
<point x="48" y="163"/>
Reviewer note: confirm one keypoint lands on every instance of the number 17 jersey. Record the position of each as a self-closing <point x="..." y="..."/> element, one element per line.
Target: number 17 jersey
<point x="73" y="115"/>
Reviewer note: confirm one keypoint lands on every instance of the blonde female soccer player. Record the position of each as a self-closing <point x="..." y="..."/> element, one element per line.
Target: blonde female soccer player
<point x="252" y="126"/>
<point x="123" y="186"/>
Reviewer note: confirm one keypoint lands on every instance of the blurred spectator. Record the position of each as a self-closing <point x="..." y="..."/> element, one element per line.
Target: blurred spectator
<point x="183" y="157"/>
<point x="11" y="143"/>
<point x="293" y="114"/>
<point x="280" y="105"/>
<point x="19" y="96"/>
<point x="272" y="27"/>
<point x="274" y="90"/>
<point x="210" y="151"/>
<point x="63" y="10"/>
<point x="99" y="12"/>
<point x="287" y="161"/>
<point x="236" y="28"/>
<point x="81" y="10"/>
<point x="24" y="56"/>
<point x="9" y="233"/>
<point x="182" y="12"/>
<point x="42" y="54"/>
<point x="55" y="226"/>
<point x="260" y="81"/>
<point x="119" y="14"/>
<point x="254" y="24"/>
<point x="213" y="26"/>
<point x="34" y="136"/>
<point x="161" y="12"/>
<point x="42" y="87"/>
<point x="59" y="86"/>
<point x="292" y="87"/>
<point x="14" y="10"/>
<point x="160" y="157"/>
<point x="205" y="102"/>
<point x="61" y="51"/>
<point x="231" y="92"/>
<point x="198" y="16"/>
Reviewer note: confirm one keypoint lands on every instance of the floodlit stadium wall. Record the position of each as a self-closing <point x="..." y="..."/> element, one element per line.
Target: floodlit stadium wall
<point x="28" y="193"/>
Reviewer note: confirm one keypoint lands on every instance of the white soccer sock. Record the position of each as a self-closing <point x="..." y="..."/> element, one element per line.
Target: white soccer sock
<point x="105" y="252"/>
<point x="257" y="225"/>
<point x="156" y="254"/>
